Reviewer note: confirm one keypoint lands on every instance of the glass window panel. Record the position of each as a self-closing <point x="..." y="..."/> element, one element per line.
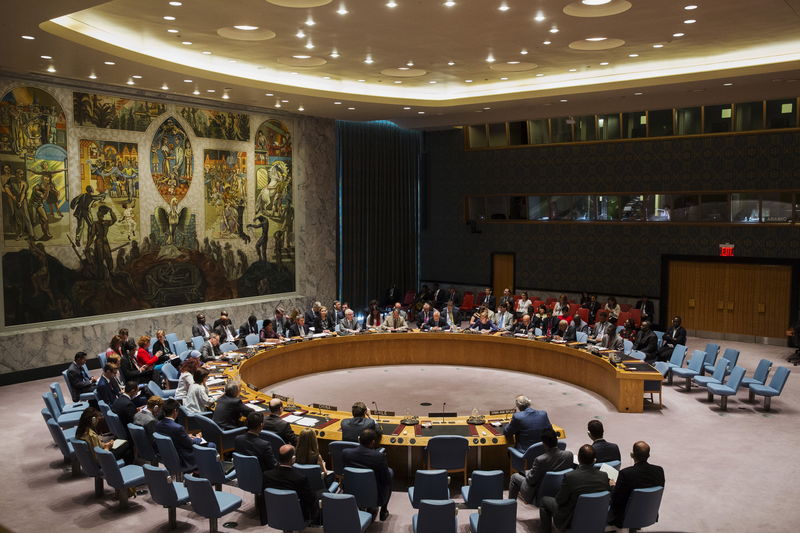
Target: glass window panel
<point x="750" y="116"/>
<point x="518" y="210"/>
<point x="714" y="208"/>
<point x="688" y="121"/>
<point x="776" y="207"/>
<point x="570" y="207"/>
<point x="658" y="208"/>
<point x="497" y="134"/>
<point x="782" y="113"/>
<point x="744" y="207"/>
<point x="561" y="132"/>
<point x="681" y="207"/>
<point x="633" y="207"/>
<point x="518" y="133"/>
<point x="717" y="118"/>
<point x="607" y="207"/>
<point x="585" y="128"/>
<point x="608" y="127"/>
<point x="538" y="131"/>
<point x="497" y="207"/>
<point x="477" y="136"/>
<point x="634" y="125"/>
<point x="538" y="208"/>
<point x="660" y="123"/>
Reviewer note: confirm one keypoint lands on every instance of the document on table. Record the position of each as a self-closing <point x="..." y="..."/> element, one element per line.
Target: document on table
<point x="214" y="381"/>
<point x="307" y="421"/>
<point x="256" y="407"/>
<point x="612" y="472"/>
<point x="292" y="419"/>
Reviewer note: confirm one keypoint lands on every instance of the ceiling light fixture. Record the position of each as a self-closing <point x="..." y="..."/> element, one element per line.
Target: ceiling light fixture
<point x="326" y="77"/>
<point x="129" y="82"/>
<point x="310" y="45"/>
<point x="351" y="108"/>
<point x="539" y="17"/>
<point x="658" y="45"/>
<point x="342" y="10"/>
<point x="302" y="57"/>
<point x="136" y="77"/>
<point x="467" y="81"/>
<point x="337" y="103"/>
<point x="28" y="37"/>
<point x="689" y="21"/>
<point x="512" y="63"/>
<point x="362" y="81"/>
<point x="368" y="60"/>
<point x="169" y="17"/>
<point x="409" y="63"/>
<point x="310" y="21"/>
<point x="420" y="112"/>
<point x="391" y="4"/>
<point x="563" y="100"/>
<point x="176" y="4"/>
<point x="277" y="104"/>
<point x="109" y="63"/>
<point x="285" y="101"/>
<point x="486" y="108"/>
<point x="503" y="7"/>
<point x="92" y="76"/>
<point x="678" y="34"/>
<point x="523" y="52"/>
<point x="225" y="95"/>
<point x="573" y="70"/>
<point x="173" y="30"/>
<point x="406" y="108"/>
<point x="451" y="63"/>
<point x="300" y="34"/>
<point x="638" y="94"/>
<point x="690" y="7"/>
<point x="596" y="39"/>
<point x="211" y="90"/>
<point x="503" y="79"/>
<point x="398" y="82"/>
<point x="727" y="84"/>
<point x="604" y="63"/>
<point x="553" y="30"/>
<point x="539" y="75"/>
<point x="46" y="57"/>
<point x="51" y="68"/>
<point x="206" y="52"/>
<point x="245" y="27"/>
<point x="402" y="68"/>
<point x="595" y="2"/>
<point x="449" y="3"/>
<point x="187" y="81"/>
<point x="196" y="92"/>
<point x="334" y="53"/>
<point x="268" y="94"/>
<point x="187" y="43"/>
<point x="547" y="42"/>
<point x="432" y="82"/>
<point x="633" y="55"/>
<point x="490" y="58"/>
<point x="301" y="108"/>
<point x="164" y="87"/>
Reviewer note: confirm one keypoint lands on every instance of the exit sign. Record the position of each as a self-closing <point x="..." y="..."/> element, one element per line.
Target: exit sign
<point x="726" y="250"/>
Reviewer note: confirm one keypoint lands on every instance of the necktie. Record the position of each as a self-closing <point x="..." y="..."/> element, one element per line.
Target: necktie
<point x="502" y="319"/>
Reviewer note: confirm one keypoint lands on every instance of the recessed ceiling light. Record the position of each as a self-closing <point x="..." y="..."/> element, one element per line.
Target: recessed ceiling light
<point x="523" y="52"/>
<point x="337" y="103"/>
<point x="301" y="108"/>
<point x="342" y="10"/>
<point x="449" y="3"/>
<point x="539" y="75"/>
<point x="206" y="52"/>
<point x="420" y="112"/>
<point x="277" y="104"/>
<point x="554" y="30"/>
<point x="633" y="55"/>
<point x="563" y="100"/>
<point x="362" y="81"/>
<point x="539" y="17"/>
<point x="109" y="63"/>
<point x="487" y="108"/>
<point x="596" y="39"/>
<point x="490" y="58"/>
<point x="398" y="81"/>
<point x="187" y="81"/>
<point x="93" y="76"/>
<point x="169" y="17"/>
<point x="196" y="92"/>
<point x="51" y="68"/>
<point x="637" y="94"/>
<point x="432" y="82"/>
<point x="300" y="34"/>
<point x="406" y="108"/>
<point x="451" y="63"/>
<point x="334" y="53"/>
<point x="690" y="7"/>
<point x="573" y="70"/>
<point x="301" y="57"/>
<point x="409" y="63"/>
<point x="46" y="57"/>
<point x="678" y="34"/>
<point x="547" y="42"/>
<point x="310" y="21"/>
<point x="130" y="81"/>
<point x="503" y="79"/>
<point x="604" y="63"/>
<point x="689" y="21"/>
<point x="187" y="43"/>
<point x="595" y="2"/>
<point x="285" y="101"/>
<point x="368" y="60"/>
<point x="658" y="45"/>
<point x="402" y="68"/>
<point x="211" y="90"/>
<point x="467" y="81"/>
<point x="391" y="3"/>
<point x="351" y="108"/>
<point x="225" y="95"/>
<point x="268" y="94"/>
<point x="309" y="45"/>
<point x="503" y="7"/>
<point x="728" y="84"/>
<point x="28" y="37"/>
<point x="173" y="30"/>
<point x="176" y="4"/>
<point x="326" y="77"/>
<point x="164" y="87"/>
<point x="245" y="27"/>
<point x="136" y="77"/>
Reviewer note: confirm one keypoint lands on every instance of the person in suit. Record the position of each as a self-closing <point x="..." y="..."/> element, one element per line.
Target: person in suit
<point x="604" y="451"/>
<point x="182" y="441"/>
<point x="299" y="328"/>
<point x="79" y="380"/>
<point x="366" y="455"/>
<point x="524" y="325"/>
<point x="325" y="322"/>
<point x="579" y="325"/>
<point x="552" y="460"/>
<point x="541" y="319"/>
<point x="107" y="386"/>
<point x="647" y="307"/>
<point x="222" y="320"/>
<point x="287" y="478"/>
<point x="507" y="298"/>
<point x="337" y="313"/>
<point x="251" y="443"/>
<point x="395" y="322"/>
<point x="352" y="427"/>
<point x="672" y="337"/>
<point x="583" y="480"/>
<point x="312" y="314"/>
<point x="391" y="296"/>
<point x="425" y="315"/>
<point x="201" y="329"/>
<point x="527" y="424"/>
<point x="647" y="343"/>
<point x="281" y="323"/>
<point x="593" y="306"/>
<point x="601" y="326"/>
<point x="230" y="408"/>
<point x="483" y="324"/>
<point x="453" y="296"/>
<point x="611" y="340"/>
<point x="148" y="417"/>
<point x="348" y="325"/>
<point x="210" y="349"/>
<point x="639" y="476"/>
<point x="565" y="331"/>
<point x="124" y="407"/>
<point x="451" y="314"/>
<point x="251" y="326"/>
<point x="487" y="299"/>
<point x="227" y="331"/>
<point x="278" y="425"/>
<point x="436" y="323"/>
<point x="502" y="318"/>
<point x="131" y="371"/>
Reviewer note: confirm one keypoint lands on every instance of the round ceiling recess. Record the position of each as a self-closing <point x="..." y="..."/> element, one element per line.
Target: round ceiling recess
<point x="579" y="9"/>
<point x="302" y="61"/>
<point x="589" y="45"/>
<point x="404" y="72"/>
<point x="513" y="66"/>
<point x="300" y="4"/>
<point x="229" y="32"/>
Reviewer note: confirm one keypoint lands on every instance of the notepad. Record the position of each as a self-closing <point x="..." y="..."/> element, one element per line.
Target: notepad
<point x="292" y="418"/>
<point x="307" y="421"/>
<point x="118" y="443"/>
<point x="256" y="407"/>
<point x="612" y="472"/>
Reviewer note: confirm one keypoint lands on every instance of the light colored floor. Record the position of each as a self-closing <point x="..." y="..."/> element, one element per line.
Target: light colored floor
<point x="731" y="472"/>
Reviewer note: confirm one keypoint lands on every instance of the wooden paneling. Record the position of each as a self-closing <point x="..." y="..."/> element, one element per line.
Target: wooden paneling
<point x="502" y="273"/>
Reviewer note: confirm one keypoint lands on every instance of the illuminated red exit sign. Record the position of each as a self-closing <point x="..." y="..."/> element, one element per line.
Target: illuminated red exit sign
<point x="726" y="250"/>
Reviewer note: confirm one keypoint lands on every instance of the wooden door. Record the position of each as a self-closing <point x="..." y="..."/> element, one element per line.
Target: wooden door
<point x="502" y="273"/>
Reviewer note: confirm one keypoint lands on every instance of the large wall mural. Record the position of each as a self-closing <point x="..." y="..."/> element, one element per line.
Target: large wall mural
<point x="274" y="207"/>
<point x="225" y="194"/>
<point x="111" y="112"/>
<point x="171" y="161"/>
<point x="217" y="124"/>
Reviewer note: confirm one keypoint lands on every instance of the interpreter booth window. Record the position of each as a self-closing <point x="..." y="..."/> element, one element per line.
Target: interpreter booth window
<point x="782" y="113"/>
<point x="660" y="123"/>
<point x="570" y="207"/>
<point x="477" y="136"/>
<point x="776" y="207"/>
<point x="660" y="210"/>
<point x="518" y="133"/>
<point x="714" y="208"/>
<point x="585" y="129"/>
<point x="744" y="208"/>
<point x="539" y="131"/>
<point x="518" y="208"/>
<point x="476" y="208"/>
<point x="497" y="134"/>
<point x="608" y="127"/>
<point x="497" y="207"/>
<point x="634" y="125"/>
<point x="633" y="208"/>
<point x="718" y="118"/>
<point x="538" y="208"/>
<point x="680" y="207"/>
<point x="607" y="207"/>
<point x="750" y="116"/>
<point x="689" y="120"/>
<point x="560" y="130"/>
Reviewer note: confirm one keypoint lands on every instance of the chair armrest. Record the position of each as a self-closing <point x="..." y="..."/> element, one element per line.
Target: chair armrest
<point x="334" y="488"/>
<point x="88" y="396"/>
<point x="235" y="431"/>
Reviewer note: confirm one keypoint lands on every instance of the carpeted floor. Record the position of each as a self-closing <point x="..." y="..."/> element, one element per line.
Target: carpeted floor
<point x="727" y="472"/>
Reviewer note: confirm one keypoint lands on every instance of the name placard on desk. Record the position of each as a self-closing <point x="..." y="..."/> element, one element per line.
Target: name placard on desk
<point x="280" y="397"/>
<point x="323" y="406"/>
<point x="502" y="412"/>
<point x="381" y="413"/>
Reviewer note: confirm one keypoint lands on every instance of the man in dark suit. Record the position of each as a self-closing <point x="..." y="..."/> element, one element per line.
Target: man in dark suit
<point x="222" y="320"/>
<point x="278" y="425"/>
<point x="425" y="315"/>
<point x="367" y="456"/>
<point x="579" y="325"/>
<point x="210" y="349"/>
<point x="452" y="295"/>
<point x="251" y="326"/>
<point x="552" y="460"/>
<point x="647" y="307"/>
<point x="124" y="407"/>
<point x="672" y="337"/>
<point x="280" y="322"/>
<point x="526" y="425"/>
<point x="312" y="314"/>
<point x="487" y="299"/>
<point x="201" y="329"/>
<point x="182" y="441"/>
<point x="107" y="386"/>
<point x="639" y="476"/>
<point x="604" y="451"/>
<point x="79" y="380"/>
<point x="299" y="328"/>
<point x="583" y="480"/>
<point x="647" y="343"/>
<point x="287" y="478"/>
<point x="352" y="427"/>
<point x="439" y="297"/>
<point x="230" y="408"/>
<point x="436" y="323"/>
<point x="251" y="443"/>
<point x="524" y="325"/>
<point x="565" y="331"/>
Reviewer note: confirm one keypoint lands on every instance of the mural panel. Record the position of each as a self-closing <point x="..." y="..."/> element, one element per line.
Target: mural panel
<point x="217" y="124"/>
<point x="111" y="170"/>
<point x="112" y="112"/>
<point x="225" y="193"/>
<point x="274" y="207"/>
<point x="171" y="161"/>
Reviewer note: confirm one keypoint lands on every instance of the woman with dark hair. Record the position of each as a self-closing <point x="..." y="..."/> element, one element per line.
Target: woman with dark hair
<point x="629" y="331"/>
<point x="267" y="331"/>
<point x="186" y="377"/>
<point x="86" y="431"/>
<point x="522" y="305"/>
<point x="613" y="307"/>
<point x="197" y="399"/>
<point x="308" y="454"/>
<point x="541" y="318"/>
<point x="131" y="370"/>
<point x="374" y="318"/>
<point x="115" y="346"/>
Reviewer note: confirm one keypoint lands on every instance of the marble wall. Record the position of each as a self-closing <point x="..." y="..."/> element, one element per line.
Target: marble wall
<point x="314" y="193"/>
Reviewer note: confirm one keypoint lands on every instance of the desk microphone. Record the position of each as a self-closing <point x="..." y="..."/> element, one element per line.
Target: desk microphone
<point x="380" y="426"/>
<point x="443" y="406"/>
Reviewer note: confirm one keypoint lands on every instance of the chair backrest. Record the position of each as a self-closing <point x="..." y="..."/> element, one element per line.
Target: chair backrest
<point x="259" y="324"/>
<point x="762" y="370"/>
<point x="437" y="516"/>
<point x="468" y="303"/>
<point x="115" y="425"/>
<point x="201" y="494"/>
<point x="211" y="431"/>
<point x="85" y="458"/>
<point x="360" y="482"/>
<point x="711" y="353"/>
<point x="161" y="489"/>
<point x="108" y="464"/>
<point x="486" y="485"/>
<point x="678" y="355"/>
<point x="720" y="370"/>
<point x="69" y="385"/>
<point x="550" y="484"/>
<point x="591" y="512"/>
<point x="642" y="508"/>
<point x="533" y="451"/>
<point x="659" y="337"/>
<point x="178" y="347"/>
<point x="274" y="440"/>
<point x="144" y="448"/>
<point x="55" y="388"/>
<point x="251" y="339"/>
<point x="167" y="453"/>
<point x="497" y="516"/>
<point x="207" y="464"/>
<point x="636" y="354"/>
<point x="628" y="346"/>
<point x="447" y="451"/>
<point x="58" y="437"/>
<point x="697" y="360"/>
<point x="335" y="448"/>
<point x="283" y="510"/>
<point x="636" y="315"/>
<point x="197" y="342"/>
<point x="537" y="331"/>
<point x="227" y="347"/>
<point x="153" y="386"/>
<point x="584" y="313"/>
<point x="314" y="475"/>
<point x="51" y="404"/>
<point x="731" y="355"/>
<point x="184" y="355"/>
<point x="171" y="339"/>
<point x="430" y="485"/>
<point x="170" y="371"/>
<point x="581" y="336"/>
<point x="103" y="358"/>
<point x="340" y="513"/>
<point x="736" y="377"/>
<point x="779" y="378"/>
<point x="104" y="407"/>
<point x="248" y="473"/>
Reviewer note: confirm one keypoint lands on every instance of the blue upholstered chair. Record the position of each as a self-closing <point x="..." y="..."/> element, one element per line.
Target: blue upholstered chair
<point x="64" y="446"/>
<point x="435" y="516"/>
<point x="223" y="438"/>
<point x="169" y="456"/>
<point x="252" y="339"/>
<point x="86" y="396"/>
<point x="360" y="482"/>
<point x="642" y="508"/>
<point x="448" y="452"/>
<point x="693" y="369"/>
<point x="171" y="339"/>
<point x="248" y="474"/>
<point x="759" y="377"/>
<point x="428" y="485"/>
<point x="591" y="513"/>
<point x="731" y="355"/>
<point x="115" y="425"/>
<point x="550" y="484"/>
<point x="283" y="510"/>
<point x="65" y="420"/>
<point x="197" y="342"/>
<point x="158" y="391"/>
<point x="728" y="389"/>
<point x="179" y="346"/>
<point x="88" y="464"/>
<point x="537" y="331"/>
<point x="210" y="468"/>
<point x="521" y="460"/>
<point x="172" y="375"/>
<point x="627" y="347"/>
<point x="142" y="444"/>
<point x="341" y="515"/>
<point x="165" y="493"/>
<point x="659" y="337"/>
<point x="227" y="347"/>
<point x="580" y="337"/>
<point x="274" y="440"/>
<point x="712" y="350"/>
<point x="208" y="502"/>
<point x="636" y="354"/>
<point x="496" y="516"/>
<point x="259" y="324"/>
<point x="55" y="388"/>
<point x="717" y="377"/>
<point x="774" y="388"/>
<point x="314" y="475"/>
<point x="104" y="407"/>
<point x="120" y="478"/>
<point x="103" y="359"/>
<point x="613" y="464"/>
<point x="335" y="449"/>
<point x="483" y="485"/>
<point x="675" y="361"/>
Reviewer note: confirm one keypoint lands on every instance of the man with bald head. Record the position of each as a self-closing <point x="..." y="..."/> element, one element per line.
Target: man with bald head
<point x="526" y="425"/>
<point x="285" y="477"/>
<point x="639" y="476"/>
<point x="278" y="425"/>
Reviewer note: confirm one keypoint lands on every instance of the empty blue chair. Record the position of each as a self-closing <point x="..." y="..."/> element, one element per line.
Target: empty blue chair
<point x="64" y="446"/>
<point x="335" y="449"/>
<point x="550" y="484"/>
<point x="274" y="440"/>
<point x="730" y="355"/>
<point x="68" y="433"/>
<point x="142" y="444"/>
<point x="115" y="425"/>
<point x="728" y="389"/>
<point x="103" y="359"/>
<point x="712" y="350"/>
<point x="283" y="510"/>
<point x="223" y="438"/>
<point x="591" y="513"/>
<point x="675" y="361"/>
<point x="340" y="514"/>
<point x="496" y="516"/>
<point x="521" y="460"/>
<point x="642" y="508"/>
<point x="717" y="377"/>
<point x="165" y="493"/>
<point x="360" y="482"/>
<point x="435" y="516"/>
<point x="252" y="339"/>
<point x="158" y="391"/>
<point x="759" y="377"/>
<point x="636" y="354"/>
<point x="172" y="375"/>
<point x="88" y="464"/>
<point x="259" y="324"/>
<point x="659" y="337"/>
<point x="55" y="388"/>
<point x="197" y="342"/>
<point x="428" y="485"/>
<point x="483" y="485"/>
<point x="448" y="452"/>
<point x="227" y="347"/>
<point x="210" y="468"/>
<point x="774" y="388"/>
<point x="537" y="332"/>
<point x="104" y="407"/>
<point x="248" y="474"/>
<point x="693" y="369"/>
<point x="179" y="347"/>
<point x="120" y="478"/>
<point x="582" y="337"/>
<point x="314" y="475"/>
<point x="208" y="502"/>
<point x="171" y="339"/>
<point x="627" y="346"/>
<point x="169" y="456"/>
<point x="65" y="420"/>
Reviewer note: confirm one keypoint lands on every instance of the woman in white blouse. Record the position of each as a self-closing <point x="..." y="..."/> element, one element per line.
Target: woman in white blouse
<point x="197" y="400"/>
<point x="523" y="304"/>
<point x="562" y="306"/>
<point x="186" y="377"/>
<point x="613" y="307"/>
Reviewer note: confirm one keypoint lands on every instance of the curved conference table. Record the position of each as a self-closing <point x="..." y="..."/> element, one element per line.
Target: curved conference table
<point x="622" y="385"/>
